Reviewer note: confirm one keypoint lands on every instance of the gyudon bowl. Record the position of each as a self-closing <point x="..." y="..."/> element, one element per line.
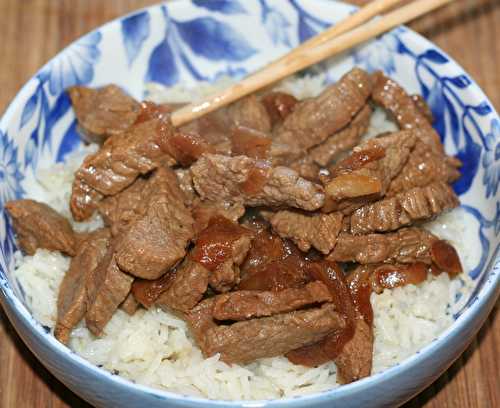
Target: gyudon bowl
<point x="173" y="52"/>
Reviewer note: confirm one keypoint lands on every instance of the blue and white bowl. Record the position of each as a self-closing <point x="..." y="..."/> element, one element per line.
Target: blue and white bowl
<point x="203" y="40"/>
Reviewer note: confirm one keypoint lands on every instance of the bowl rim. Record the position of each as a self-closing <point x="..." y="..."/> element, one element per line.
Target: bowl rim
<point x="488" y="292"/>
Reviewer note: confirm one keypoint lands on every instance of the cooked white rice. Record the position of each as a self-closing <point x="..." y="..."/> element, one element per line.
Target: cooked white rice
<point x="155" y="348"/>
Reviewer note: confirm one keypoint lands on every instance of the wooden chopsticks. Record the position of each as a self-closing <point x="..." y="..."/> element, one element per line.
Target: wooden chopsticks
<point x="346" y="34"/>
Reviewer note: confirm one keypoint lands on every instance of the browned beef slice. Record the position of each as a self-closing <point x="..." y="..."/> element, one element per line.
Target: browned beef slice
<point x="305" y="230"/>
<point x="203" y="211"/>
<point x="107" y="289"/>
<point x="251" y="113"/>
<point x="306" y="168"/>
<point x="355" y="360"/>
<point x="104" y="111"/>
<point x="39" y="226"/>
<point x="417" y="204"/>
<point x="406" y="245"/>
<point x="221" y="248"/>
<point x="72" y="296"/>
<point x="117" y="164"/>
<point x="187" y="287"/>
<point x="246" y="304"/>
<point x="424" y="166"/>
<point x="130" y="304"/>
<point x="394" y="98"/>
<point x="314" y="119"/>
<point x="157" y="240"/>
<point x="252" y="182"/>
<point x="343" y="140"/>
<point x="250" y="142"/>
<point x="123" y="209"/>
<point x="186" y="184"/>
<point x="368" y="171"/>
<point x="200" y="319"/>
<point x="249" y="340"/>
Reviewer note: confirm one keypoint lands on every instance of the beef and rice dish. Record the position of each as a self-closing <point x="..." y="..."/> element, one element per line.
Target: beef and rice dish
<point x="265" y="226"/>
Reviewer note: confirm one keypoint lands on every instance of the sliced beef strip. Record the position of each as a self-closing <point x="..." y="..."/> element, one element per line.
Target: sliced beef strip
<point x="104" y="111"/>
<point x="251" y="113"/>
<point x="157" y="240"/>
<point x="222" y="248"/>
<point x="343" y="140"/>
<point x="306" y="168"/>
<point x="391" y="96"/>
<point x="352" y="348"/>
<point x="107" y="289"/>
<point x="203" y="211"/>
<point x="422" y="106"/>
<point x="249" y="340"/>
<point x="366" y="174"/>
<point x="423" y="167"/>
<point x="314" y="120"/>
<point x="331" y="345"/>
<point x="253" y="183"/>
<point x="308" y="230"/>
<point x="121" y="210"/>
<point x="417" y="204"/>
<point x="355" y="360"/>
<point x="130" y="304"/>
<point x="186" y="288"/>
<point x="117" y="164"/>
<point x="186" y="185"/>
<point x="72" y="295"/>
<point x="247" y="304"/>
<point x="407" y="245"/>
<point x="39" y="226"/>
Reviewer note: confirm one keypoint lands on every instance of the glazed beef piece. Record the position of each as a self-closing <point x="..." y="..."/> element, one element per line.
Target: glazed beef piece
<point x="203" y="211"/>
<point x="308" y="230"/>
<point x="247" y="304"/>
<point x="417" y="204"/>
<point x="343" y="140"/>
<point x="366" y="174"/>
<point x="407" y="245"/>
<point x="186" y="185"/>
<point x="251" y="113"/>
<point x="146" y="291"/>
<point x="107" y="288"/>
<point x="186" y="288"/>
<point x="307" y="168"/>
<point x="391" y="96"/>
<point x="157" y="239"/>
<point x="355" y="360"/>
<point x="253" y="183"/>
<point x="272" y="264"/>
<point x="314" y="120"/>
<point x="103" y="112"/>
<point x="250" y="142"/>
<point x="279" y="105"/>
<point x="221" y="248"/>
<point x="351" y="348"/>
<point x="117" y="164"/>
<point x="423" y="167"/>
<point x="39" y="226"/>
<point x="249" y="340"/>
<point x="72" y="296"/>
